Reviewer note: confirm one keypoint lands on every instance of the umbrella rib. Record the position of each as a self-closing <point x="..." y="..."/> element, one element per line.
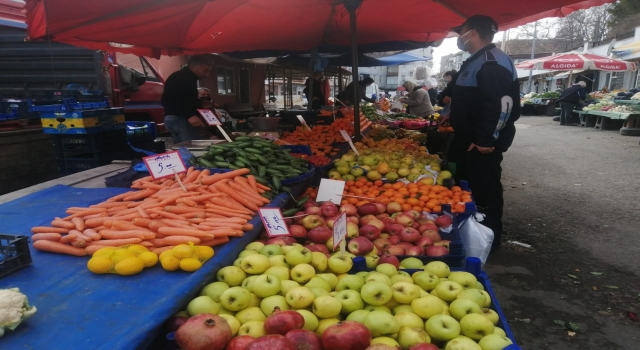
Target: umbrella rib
<point x="327" y="30"/>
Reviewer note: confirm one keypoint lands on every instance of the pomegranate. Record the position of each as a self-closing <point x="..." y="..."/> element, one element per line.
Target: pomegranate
<point x="240" y="342"/>
<point x="281" y="322"/>
<point x="346" y="335"/>
<point x="204" y="332"/>
<point x="271" y="342"/>
<point x="304" y="339"/>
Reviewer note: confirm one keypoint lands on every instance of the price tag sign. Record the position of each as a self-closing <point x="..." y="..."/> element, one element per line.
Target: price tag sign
<point x="330" y="190"/>
<point x="348" y="139"/>
<point x="165" y="165"/>
<point x="303" y="122"/>
<point x="274" y="222"/>
<point x="209" y="117"/>
<point x="339" y="230"/>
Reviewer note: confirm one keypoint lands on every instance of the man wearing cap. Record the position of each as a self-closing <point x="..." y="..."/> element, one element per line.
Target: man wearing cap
<point x="485" y="102"/>
<point x="569" y="99"/>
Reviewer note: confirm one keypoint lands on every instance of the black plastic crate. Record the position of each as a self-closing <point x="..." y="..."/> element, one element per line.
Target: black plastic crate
<point x="86" y="161"/>
<point x="107" y="142"/>
<point x="14" y="253"/>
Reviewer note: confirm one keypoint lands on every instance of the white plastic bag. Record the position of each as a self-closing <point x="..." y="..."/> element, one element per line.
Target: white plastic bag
<point x="397" y="105"/>
<point x="476" y="238"/>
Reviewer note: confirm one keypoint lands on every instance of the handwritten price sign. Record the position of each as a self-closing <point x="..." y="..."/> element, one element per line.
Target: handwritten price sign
<point x="209" y="117"/>
<point x="165" y="165"/>
<point x="273" y="222"/>
<point x="339" y="230"/>
<point x="347" y="138"/>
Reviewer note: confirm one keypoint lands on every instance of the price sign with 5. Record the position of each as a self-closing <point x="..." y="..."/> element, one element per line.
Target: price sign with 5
<point x="164" y="165"/>
<point x="273" y="222"/>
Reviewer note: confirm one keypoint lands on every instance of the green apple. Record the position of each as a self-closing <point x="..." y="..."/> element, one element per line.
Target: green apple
<point x="358" y="316"/>
<point x="300" y="297"/>
<point x="302" y="273"/>
<point x="326" y="307"/>
<point x="442" y="327"/>
<point x="378" y="277"/>
<point x="460" y="308"/>
<point x="491" y="315"/>
<point x="298" y="256"/>
<point x="474" y="295"/>
<point x="247" y="253"/>
<point x="357" y="172"/>
<point x="271" y="250"/>
<point x="233" y="323"/>
<point x="286" y="285"/>
<point x="425" y="280"/>
<point x="318" y="292"/>
<point x="386" y="341"/>
<point x="465" y="279"/>
<point x="402" y="308"/>
<point x="281" y="272"/>
<point x="318" y="282"/>
<point x="351" y="301"/>
<point x="255" y="301"/>
<point x="387" y="269"/>
<point x="235" y="298"/>
<point x="434" y="292"/>
<point x="310" y="320"/>
<point x="376" y="293"/>
<point x="351" y="282"/>
<point x="324" y="324"/>
<point x="231" y="275"/>
<point x="340" y="263"/>
<point x="499" y="331"/>
<point x="255" y="264"/>
<point x="392" y="303"/>
<point x="405" y="292"/>
<point x="438" y="268"/>
<point x="214" y="290"/>
<point x="254" y="246"/>
<point x="479" y="286"/>
<point x="202" y="305"/>
<point x="362" y="274"/>
<point x="269" y="303"/>
<point x="409" y="319"/>
<point x="427" y="307"/>
<point x="476" y="326"/>
<point x="403" y="172"/>
<point x="291" y="247"/>
<point x="402" y="276"/>
<point x="448" y="290"/>
<point x="487" y="302"/>
<point x="329" y="277"/>
<point x="462" y="343"/>
<point x="371" y="308"/>
<point x="247" y="283"/>
<point x="446" y="310"/>
<point x="381" y="323"/>
<point x="319" y="261"/>
<point x="371" y="261"/>
<point x="410" y="336"/>
<point x="412" y="263"/>
<point x="252" y="328"/>
<point x="266" y="285"/>
<point x="223" y="311"/>
<point x="250" y="314"/>
<point x="423" y="293"/>
<point x="494" y="342"/>
<point x="278" y="260"/>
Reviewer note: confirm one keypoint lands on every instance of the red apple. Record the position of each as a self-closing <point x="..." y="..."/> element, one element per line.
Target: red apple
<point x="377" y="223"/>
<point x="346" y="335"/>
<point x="264" y="235"/>
<point x="395" y="229"/>
<point x="394" y="207"/>
<point x="414" y="251"/>
<point x="276" y="240"/>
<point x="320" y="235"/>
<point x="370" y="231"/>
<point x="365" y="219"/>
<point x="381" y="207"/>
<point x="271" y="342"/>
<point x="427" y="226"/>
<point x="382" y="216"/>
<point x="360" y="246"/>
<point x="317" y="248"/>
<point x="424" y="242"/>
<point x="309" y="204"/>
<point x="380" y="244"/>
<point x="415" y="225"/>
<point x="312" y="221"/>
<point x="368" y="209"/>
<point x="289" y="240"/>
<point x="416" y="215"/>
<point x="288" y="221"/>
<point x="394" y="250"/>
<point x="393" y="240"/>
<point x="240" y="342"/>
<point x="298" y="231"/>
<point x="388" y="219"/>
<point x="436" y="251"/>
<point x="424" y="346"/>
<point x="404" y="220"/>
<point x="442" y="243"/>
<point x="409" y="235"/>
<point x="281" y="322"/>
<point x="350" y="209"/>
<point x="389" y="259"/>
<point x="388" y="225"/>
<point x="304" y="339"/>
<point x="444" y="221"/>
<point x="299" y="217"/>
<point x="330" y="221"/>
<point x="313" y="211"/>
<point x="405" y="245"/>
<point x="329" y="210"/>
<point x="385" y="235"/>
<point x="353" y="219"/>
<point x="433" y="234"/>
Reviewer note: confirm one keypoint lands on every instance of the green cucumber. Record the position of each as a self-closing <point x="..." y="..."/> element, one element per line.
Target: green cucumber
<point x="275" y="181"/>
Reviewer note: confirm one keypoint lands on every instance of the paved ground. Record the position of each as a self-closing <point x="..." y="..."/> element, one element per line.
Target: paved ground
<point x="572" y="193"/>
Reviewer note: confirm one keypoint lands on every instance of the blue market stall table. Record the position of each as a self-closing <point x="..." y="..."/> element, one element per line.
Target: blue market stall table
<point x="80" y="310"/>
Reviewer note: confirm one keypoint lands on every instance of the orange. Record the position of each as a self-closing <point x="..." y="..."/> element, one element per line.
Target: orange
<point x="397" y="185"/>
<point x="417" y="208"/>
<point x="344" y="201"/>
<point x="349" y="183"/>
<point x="387" y="185"/>
<point x="437" y="209"/>
<point x="413" y="190"/>
<point x="406" y="207"/>
<point x="359" y="184"/>
<point x="431" y="205"/>
<point x="352" y="200"/>
<point x="399" y="200"/>
<point x="413" y="201"/>
<point x="378" y="183"/>
<point x="456" y="189"/>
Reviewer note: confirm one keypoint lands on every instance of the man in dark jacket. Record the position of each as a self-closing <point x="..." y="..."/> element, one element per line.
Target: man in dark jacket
<point x="444" y="97"/>
<point x="569" y="99"/>
<point x="347" y="97"/>
<point x="485" y="104"/>
<point x="317" y="101"/>
<point x="181" y="102"/>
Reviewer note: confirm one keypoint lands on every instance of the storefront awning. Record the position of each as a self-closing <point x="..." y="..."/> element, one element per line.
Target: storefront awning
<point x="626" y="50"/>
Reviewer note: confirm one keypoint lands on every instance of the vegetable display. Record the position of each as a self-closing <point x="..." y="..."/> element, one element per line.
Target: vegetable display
<point x="14" y="308"/>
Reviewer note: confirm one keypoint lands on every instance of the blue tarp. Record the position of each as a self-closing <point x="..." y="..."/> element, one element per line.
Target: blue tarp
<point x="80" y="310"/>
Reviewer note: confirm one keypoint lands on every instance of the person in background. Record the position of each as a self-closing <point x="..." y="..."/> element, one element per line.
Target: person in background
<point x="569" y="99"/>
<point x="317" y="101"/>
<point x="433" y="95"/>
<point x="418" y="100"/>
<point x="347" y="97"/>
<point x="444" y="97"/>
<point x="180" y="99"/>
<point x="485" y="103"/>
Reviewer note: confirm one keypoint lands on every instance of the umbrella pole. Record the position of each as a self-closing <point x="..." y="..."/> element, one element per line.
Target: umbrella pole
<point x="310" y="80"/>
<point x="352" y="6"/>
<point x="570" y="77"/>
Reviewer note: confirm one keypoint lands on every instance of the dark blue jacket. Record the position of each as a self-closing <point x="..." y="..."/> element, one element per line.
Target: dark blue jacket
<point x="573" y="94"/>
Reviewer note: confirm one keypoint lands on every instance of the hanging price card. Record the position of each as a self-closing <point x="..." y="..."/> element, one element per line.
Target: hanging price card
<point x="209" y="117"/>
<point x="164" y="165"/>
<point x="273" y="222"/>
<point x="348" y="139"/>
<point x="339" y="230"/>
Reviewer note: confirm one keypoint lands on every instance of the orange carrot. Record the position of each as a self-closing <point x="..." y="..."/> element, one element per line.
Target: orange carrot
<point x="175" y="240"/>
<point x="212" y="225"/>
<point x="263" y="187"/>
<point x="45" y="229"/>
<point x="91" y="233"/>
<point x="248" y="194"/>
<point x="196" y="220"/>
<point x="95" y="222"/>
<point x="228" y="202"/>
<point x="140" y="195"/>
<point x="175" y="223"/>
<point x="175" y="231"/>
<point x="142" y="212"/>
<point x="80" y="235"/>
<point x="146" y="244"/>
<point x="113" y="234"/>
<point x="57" y="247"/>
<point x="229" y="209"/>
<point x="109" y="204"/>
<point x="57" y="222"/>
<point x="120" y="196"/>
<point x="115" y="242"/>
<point x="129" y="217"/>
<point x="125" y="225"/>
<point x="224" y="232"/>
<point x="183" y="210"/>
<point x="100" y="228"/>
<point x="191" y="177"/>
<point x="79" y="242"/>
<point x="252" y="182"/>
<point x="210" y="180"/>
<point x="194" y="215"/>
<point x="223" y="187"/>
<point x="79" y="223"/>
<point x="141" y="222"/>
<point x="165" y="214"/>
<point x="93" y="248"/>
<point x="186" y="201"/>
<point x="46" y="236"/>
<point x="228" y="220"/>
<point x="161" y="249"/>
<point x="117" y="209"/>
<point x="89" y="211"/>
<point x="214" y="242"/>
<point x="151" y="185"/>
<point x="154" y="225"/>
<point x="247" y="227"/>
<point x="68" y="238"/>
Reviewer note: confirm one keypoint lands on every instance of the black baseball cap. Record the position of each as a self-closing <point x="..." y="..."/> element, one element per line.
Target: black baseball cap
<point x="482" y="24"/>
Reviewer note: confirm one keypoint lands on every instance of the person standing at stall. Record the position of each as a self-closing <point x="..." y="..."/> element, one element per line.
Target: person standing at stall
<point x="418" y="100"/>
<point x="180" y="99"/>
<point x="569" y="99"/>
<point x="485" y="103"/>
<point x="347" y="96"/>
<point x="317" y="100"/>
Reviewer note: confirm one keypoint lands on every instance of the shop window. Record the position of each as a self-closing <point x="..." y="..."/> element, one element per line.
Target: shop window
<point x="617" y="81"/>
<point x="636" y="80"/>
<point x="226" y="80"/>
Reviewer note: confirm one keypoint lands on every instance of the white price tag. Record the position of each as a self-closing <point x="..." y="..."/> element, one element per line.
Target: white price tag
<point x="209" y="117"/>
<point x="303" y="122"/>
<point x="348" y="139"/>
<point x="273" y="222"/>
<point x="330" y="190"/>
<point x="165" y="164"/>
<point x="339" y="230"/>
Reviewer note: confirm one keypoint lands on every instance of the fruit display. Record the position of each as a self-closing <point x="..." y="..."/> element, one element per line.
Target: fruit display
<point x="315" y="160"/>
<point x="380" y="132"/>
<point x="125" y="260"/>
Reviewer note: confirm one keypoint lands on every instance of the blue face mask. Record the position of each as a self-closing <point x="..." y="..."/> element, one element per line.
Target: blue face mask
<point x="461" y="44"/>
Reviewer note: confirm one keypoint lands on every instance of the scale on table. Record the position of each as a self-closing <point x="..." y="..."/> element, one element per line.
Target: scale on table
<point x="266" y="134"/>
<point x="264" y="127"/>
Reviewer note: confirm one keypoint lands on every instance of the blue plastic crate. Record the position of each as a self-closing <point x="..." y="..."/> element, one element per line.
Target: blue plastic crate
<point x="138" y="131"/>
<point x="69" y="105"/>
<point x="302" y="149"/>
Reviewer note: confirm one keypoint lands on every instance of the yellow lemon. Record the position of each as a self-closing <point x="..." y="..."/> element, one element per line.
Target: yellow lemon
<point x="137" y="248"/>
<point x="121" y="254"/>
<point x="148" y="258"/>
<point x="170" y="263"/>
<point x="164" y="254"/>
<point x="129" y="266"/>
<point x="182" y="251"/>
<point x="190" y="264"/>
<point x="106" y="251"/>
<point x="100" y="264"/>
<point x="204" y="253"/>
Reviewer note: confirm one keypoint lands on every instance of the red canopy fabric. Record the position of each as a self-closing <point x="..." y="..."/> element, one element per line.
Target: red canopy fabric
<point x="578" y="60"/>
<point x="170" y="27"/>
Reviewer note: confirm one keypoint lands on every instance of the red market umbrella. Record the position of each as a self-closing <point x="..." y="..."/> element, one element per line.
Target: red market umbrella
<point x="578" y="61"/>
